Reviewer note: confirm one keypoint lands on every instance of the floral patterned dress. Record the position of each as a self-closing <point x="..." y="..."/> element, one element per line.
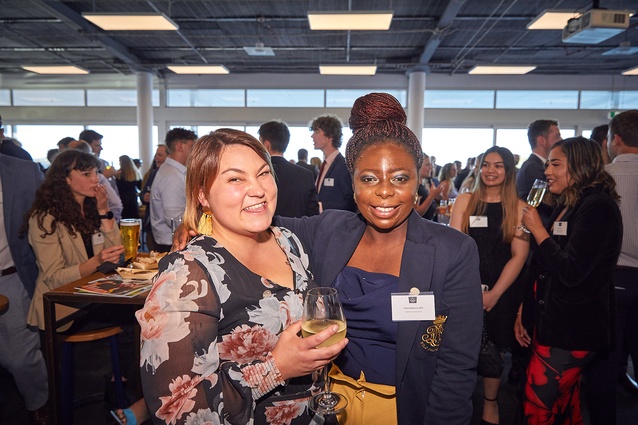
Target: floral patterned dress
<point x="208" y="328"/>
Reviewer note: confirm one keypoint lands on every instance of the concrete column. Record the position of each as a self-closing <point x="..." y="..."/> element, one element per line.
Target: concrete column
<point x="416" y="94"/>
<point x="145" y="117"/>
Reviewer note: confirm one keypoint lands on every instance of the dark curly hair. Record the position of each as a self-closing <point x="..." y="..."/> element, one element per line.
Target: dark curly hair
<point x="54" y="197"/>
<point x="379" y="117"/>
<point x="331" y="127"/>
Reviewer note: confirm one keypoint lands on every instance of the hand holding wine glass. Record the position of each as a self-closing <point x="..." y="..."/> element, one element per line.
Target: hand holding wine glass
<point x="322" y="310"/>
<point x="534" y="198"/>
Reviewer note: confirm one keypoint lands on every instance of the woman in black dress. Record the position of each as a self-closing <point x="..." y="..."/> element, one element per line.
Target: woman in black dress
<point x="129" y="184"/>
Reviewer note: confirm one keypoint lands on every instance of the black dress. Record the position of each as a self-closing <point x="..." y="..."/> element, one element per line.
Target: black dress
<point x="128" y="194"/>
<point x="493" y="255"/>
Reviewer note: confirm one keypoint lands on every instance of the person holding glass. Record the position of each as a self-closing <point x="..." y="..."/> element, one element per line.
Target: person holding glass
<point x="219" y="326"/>
<point x="406" y="370"/>
<point x="491" y="215"/>
<point x="568" y="308"/>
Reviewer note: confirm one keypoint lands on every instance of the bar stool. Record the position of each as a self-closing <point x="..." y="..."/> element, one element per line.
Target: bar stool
<point x="68" y="370"/>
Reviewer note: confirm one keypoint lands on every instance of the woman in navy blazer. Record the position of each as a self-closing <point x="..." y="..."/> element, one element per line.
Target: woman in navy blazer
<point x="421" y="371"/>
<point x="569" y="302"/>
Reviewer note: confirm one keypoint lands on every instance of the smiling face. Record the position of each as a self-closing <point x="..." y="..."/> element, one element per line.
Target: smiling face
<point x="557" y="172"/>
<point x="243" y="196"/>
<point x="493" y="170"/>
<point x="160" y="155"/>
<point x="385" y="183"/>
<point x="83" y="183"/>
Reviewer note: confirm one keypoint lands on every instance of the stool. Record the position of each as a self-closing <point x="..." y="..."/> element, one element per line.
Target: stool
<point x="68" y="371"/>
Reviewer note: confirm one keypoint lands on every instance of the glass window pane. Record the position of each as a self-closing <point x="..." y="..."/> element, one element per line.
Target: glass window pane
<point x="205" y="98"/>
<point x="458" y="99"/>
<point x="205" y="129"/>
<point x="452" y="144"/>
<point x="5" y="97"/>
<point x="628" y="100"/>
<point x="596" y="99"/>
<point x="514" y="139"/>
<point x="120" y="140"/>
<point x="536" y="99"/>
<point x="48" y="97"/>
<point x="101" y="97"/>
<point x="346" y="98"/>
<point x="267" y="98"/>
<point x="38" y="139"/>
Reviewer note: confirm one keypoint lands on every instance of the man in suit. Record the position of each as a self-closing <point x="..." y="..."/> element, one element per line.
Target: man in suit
<point x="542" y="135"/>
<point x="334" y="184"/>
<point x="296" y="194"/>
<point x="302" y="161"/>
<point x="20" y="348"/>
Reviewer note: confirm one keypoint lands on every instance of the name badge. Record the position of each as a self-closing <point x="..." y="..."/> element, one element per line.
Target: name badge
<point x="409" y="306"/>
<point x="97" y="238"/>
<point x="478" y="221"/>
<point x="328" y="182"/>
<point x="560" y="228"/>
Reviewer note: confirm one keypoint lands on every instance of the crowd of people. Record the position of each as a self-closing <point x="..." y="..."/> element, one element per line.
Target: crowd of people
<point x="553" y="284"/>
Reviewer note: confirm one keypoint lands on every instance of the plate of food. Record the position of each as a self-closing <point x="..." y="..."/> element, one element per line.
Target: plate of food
<point x="137" y="274"/>
<point x="148" y="263"/>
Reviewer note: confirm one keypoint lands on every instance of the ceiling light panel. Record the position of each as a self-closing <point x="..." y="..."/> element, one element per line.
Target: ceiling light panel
<point x="552" y="20"/>
<point x="347" y="69"/>
<point x="355" y="21"/>
<point x="501" y="69"/>
<point x="632" y="71"/>
<point x="198" y="69"/>
<point x="131" y="21"/>
<point x="56" y="69"/>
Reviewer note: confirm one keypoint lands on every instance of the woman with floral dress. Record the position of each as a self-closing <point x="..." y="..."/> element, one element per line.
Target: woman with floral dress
<point x="219" y="327"/>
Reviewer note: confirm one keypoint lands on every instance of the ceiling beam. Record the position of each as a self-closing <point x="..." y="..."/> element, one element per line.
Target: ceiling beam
<point x="447" y="17"/>
<point x="73" y="18"/>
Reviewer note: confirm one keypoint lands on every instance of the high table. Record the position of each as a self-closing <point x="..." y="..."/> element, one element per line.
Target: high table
<point x="66" y="295"/>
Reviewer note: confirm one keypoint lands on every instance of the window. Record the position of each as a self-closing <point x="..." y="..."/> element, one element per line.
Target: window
<point x="628" y="100"/>
<point x="48" y="97"/>
<point x="537" y="99"/>
<point x="258" y="98"/>
<point x="346" y="98"/>
<point x="120" y="140"/>
<point x="116" y="97"/>
<point x="38" y="139"/>
<point x="459" y="99"/>
<point x="5" y="97"/>
<point x="232" y="98"/>
<point x="597" y="99"/>
<point x="451" y="144"/>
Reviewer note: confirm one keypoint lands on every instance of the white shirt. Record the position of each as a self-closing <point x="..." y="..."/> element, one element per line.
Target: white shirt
<point x="624" y="169"/>
<point x="168" y="199"/>
<point x="115" y="203"/>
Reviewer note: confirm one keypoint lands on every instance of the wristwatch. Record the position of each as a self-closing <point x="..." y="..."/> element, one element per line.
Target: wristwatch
<point x="107" y="216"/>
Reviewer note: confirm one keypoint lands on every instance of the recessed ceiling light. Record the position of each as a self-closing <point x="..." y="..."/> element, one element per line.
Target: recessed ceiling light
<point x="56" y="69"/>
<point x="632" y="71"/>
<point x="501" y="69"/>
<point x="360" y="20"/>
<point x="131" y="21"/>
<point x="552" y="20"/>
<point x="347" y="69"/>
<point x="198" y="69"/>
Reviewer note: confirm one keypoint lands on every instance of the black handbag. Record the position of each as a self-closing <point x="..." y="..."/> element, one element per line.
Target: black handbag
<point x="490" y="362"/>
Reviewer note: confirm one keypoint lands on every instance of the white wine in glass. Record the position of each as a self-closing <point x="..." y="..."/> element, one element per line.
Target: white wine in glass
<point x="322" y="309"/>
<point x="534" y="197"/>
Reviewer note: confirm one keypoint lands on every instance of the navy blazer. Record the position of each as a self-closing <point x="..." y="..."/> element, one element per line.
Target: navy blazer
<point x="339" y="196"/>
<point x="296" y="191"/>
<point x="573" y="308"/>
<point x="20" y="180"/>
<point x="434" y="382"/>
<point x="532" y="169"/>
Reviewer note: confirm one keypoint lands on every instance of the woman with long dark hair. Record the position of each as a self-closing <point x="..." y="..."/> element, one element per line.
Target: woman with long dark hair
<point x="491" y="215"/>
<point x="568" y="308"/>
<point x="129" y="184"/>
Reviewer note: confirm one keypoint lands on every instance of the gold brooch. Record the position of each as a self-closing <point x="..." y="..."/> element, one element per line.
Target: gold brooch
<point x="432" y="338"/>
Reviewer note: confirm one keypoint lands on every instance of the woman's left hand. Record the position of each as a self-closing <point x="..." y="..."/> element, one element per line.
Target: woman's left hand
<point x="520" y="332"/>
<point x="102" y="198"/>
<point x="490" y="298"/>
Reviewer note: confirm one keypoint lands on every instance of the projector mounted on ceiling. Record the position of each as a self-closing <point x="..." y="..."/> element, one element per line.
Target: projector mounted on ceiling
<point x="596" y="25"/>
<point x="259" y="50"/>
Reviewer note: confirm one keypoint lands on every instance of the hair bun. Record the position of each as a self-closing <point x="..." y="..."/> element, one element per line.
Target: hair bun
<point x="374" y="108"/>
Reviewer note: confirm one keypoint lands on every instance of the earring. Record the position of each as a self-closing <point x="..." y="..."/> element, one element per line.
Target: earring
<point x="416" y="198"/>
<point x="205" y="225"/>
<point x="354" y="197"/>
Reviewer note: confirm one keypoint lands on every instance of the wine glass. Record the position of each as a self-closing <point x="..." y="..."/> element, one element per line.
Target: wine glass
<point x="322" y="309"/>
<point x="534" y="198"/>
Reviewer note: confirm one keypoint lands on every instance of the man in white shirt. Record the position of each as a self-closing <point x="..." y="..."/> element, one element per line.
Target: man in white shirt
<point x="604" y="374"/>
<point x="168" y="193"/>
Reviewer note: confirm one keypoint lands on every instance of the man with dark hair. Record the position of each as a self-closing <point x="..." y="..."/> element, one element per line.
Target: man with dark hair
<point x="542" y="135"/>
<point x="11" y="147"/>
<point x="599" y="135"/>
<point x="168" y="193"/>
<point x="63" y="144"/>
<point x="302" y="161"/>
<point x="606" y="371"/>
<point x="296" y="192"/>
<point x="94" y="139"/>
<point x="334" y="184"/>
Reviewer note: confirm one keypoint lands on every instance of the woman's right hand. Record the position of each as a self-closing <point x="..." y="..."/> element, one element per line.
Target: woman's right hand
<point x="296" y="356"/>
<point x="111" y="254"/>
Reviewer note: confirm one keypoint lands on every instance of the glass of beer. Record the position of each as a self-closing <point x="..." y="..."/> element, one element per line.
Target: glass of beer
<point x="534" y="197"/>
<point x="322" y="309"/>
<point x="130" y="230"/>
